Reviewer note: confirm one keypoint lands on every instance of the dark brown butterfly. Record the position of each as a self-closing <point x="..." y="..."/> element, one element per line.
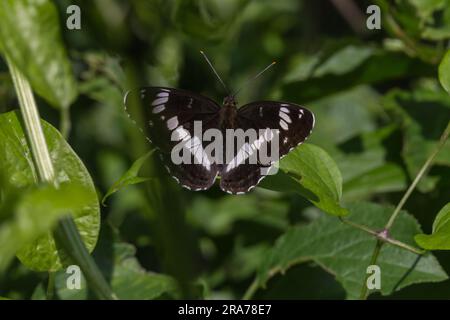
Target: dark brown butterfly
<point x="171" y="117"/>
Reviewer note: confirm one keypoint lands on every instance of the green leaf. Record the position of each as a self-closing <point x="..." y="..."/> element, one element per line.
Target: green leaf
<point x="17" y="162"/>
<point x="440" y="238"/>
<point x="128" y="279"/>
<point x="311" y="172"/>
<point x="444" y="72"/>
<point x="384" y="178"/>
<point x="130" y="177"/>
<point x="33" y="215"/>
<point x="230" y="210"/>
<point x="357" y="106"/>
<point x="344" y="60"/>
<point x="422" y="116"/>
<point x="370" y="67"/>
<point x="346" y="252"/>
<point x="30" y="37"/>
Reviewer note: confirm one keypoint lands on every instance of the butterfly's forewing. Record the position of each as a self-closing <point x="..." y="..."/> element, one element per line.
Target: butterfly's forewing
<point x="170" y="115"/>
<point x="293" y="123"/>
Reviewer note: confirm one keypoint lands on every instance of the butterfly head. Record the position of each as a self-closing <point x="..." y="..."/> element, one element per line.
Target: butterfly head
<point x="229" y="101"/>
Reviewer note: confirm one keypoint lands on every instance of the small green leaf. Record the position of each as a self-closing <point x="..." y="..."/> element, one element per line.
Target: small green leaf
<point x="128" y="279"/>
<point x="35" y="212"/>
<point x="383" y="178"/>
<point x="440" y="238"/>
<point x="444" y="72"/>
<point x="30" y="37"/>
<point x="346" y="252"/>
<point x="130" y="177"/>
<point x="370" y="67"/>
<point x="310" y="171"/>
<point x="17" y="162"/>
<point x="344" y="60"/>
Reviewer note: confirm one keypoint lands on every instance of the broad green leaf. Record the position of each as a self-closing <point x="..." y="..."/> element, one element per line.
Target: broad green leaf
<point x="444" y="72"/>
<point x="310" y="171"/>
<point x="130" y="177"/>
<point x="440" y="237"/>
<point x="346" y="252"/>
<point x="16" y="160"/>
<point x="30" y="37"/>
<point x="33" y="215"/>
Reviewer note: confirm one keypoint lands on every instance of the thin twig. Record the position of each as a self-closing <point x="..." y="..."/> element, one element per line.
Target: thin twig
<point x="373" y="260"/>
<point x="426" y="165"/>
<point x="251" y="290"/>
<point x="419" y="175"/>
<point x="382" y="236"/>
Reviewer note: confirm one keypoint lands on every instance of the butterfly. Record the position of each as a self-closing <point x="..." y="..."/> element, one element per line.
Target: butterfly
<point x="183" y="119"/>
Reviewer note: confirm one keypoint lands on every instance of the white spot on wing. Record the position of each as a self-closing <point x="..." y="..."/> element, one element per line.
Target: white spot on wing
<point x="160" y="101"/>
<point x="284" y="125"/>
<point x="285" y="117"/>
<point x="158" y="109"/>
<point x="172" y="123"/>
<point x="162" y="94"/>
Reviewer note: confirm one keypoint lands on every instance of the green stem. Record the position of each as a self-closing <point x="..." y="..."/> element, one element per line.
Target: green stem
<point x="382" y="236"/>
<point x="251" y="290"/>
<point x="68" y="236"/>
<point x="359" y="226"/>
<point x="419" y="175"/>
<point x="373" y="260"/>
<point x="32" y="123"/>
<point x="51" y="285"/>
<point x="426" y="165"/>
<point x="67" y="230"/>
<point x="65" y="122"/>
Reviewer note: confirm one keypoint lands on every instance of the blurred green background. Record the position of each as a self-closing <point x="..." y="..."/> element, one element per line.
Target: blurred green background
<point x="379" y="111"/>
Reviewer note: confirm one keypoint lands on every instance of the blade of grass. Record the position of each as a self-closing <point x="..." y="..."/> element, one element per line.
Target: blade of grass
<point x="67" y="232"/>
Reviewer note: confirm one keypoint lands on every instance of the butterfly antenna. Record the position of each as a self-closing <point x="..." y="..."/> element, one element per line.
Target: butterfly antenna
<point x="254" y="78"/>
<point x="215" y="72"/>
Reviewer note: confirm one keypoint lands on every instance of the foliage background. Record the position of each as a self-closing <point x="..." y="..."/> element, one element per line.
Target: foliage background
<point x="379" y="107"/>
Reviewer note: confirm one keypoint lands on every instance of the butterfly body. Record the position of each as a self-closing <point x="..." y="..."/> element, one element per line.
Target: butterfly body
<point x="228" y="114"/>
<point x="181" y="119"/>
